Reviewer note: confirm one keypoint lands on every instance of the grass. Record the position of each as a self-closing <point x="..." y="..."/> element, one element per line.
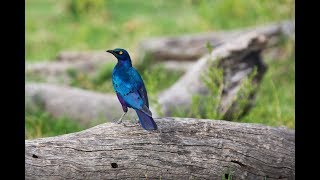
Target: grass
<point x="52" y="26"/>
<point x="275" y="98"/>
<point x="41" y="124"/>
<point x="275" y="102"/>
<point x="55" y="26"/>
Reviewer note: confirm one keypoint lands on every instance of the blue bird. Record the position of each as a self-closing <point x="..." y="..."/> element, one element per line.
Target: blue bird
<point x="130" y="89"/>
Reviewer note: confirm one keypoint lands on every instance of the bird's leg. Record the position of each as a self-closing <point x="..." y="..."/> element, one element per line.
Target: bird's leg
<point x="120" y="120"/>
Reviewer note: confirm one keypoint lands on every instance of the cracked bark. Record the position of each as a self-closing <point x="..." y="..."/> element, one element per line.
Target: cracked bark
<point x="184" y="148"/>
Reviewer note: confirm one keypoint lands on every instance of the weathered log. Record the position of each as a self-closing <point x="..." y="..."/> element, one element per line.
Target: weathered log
<point x="56" y="71"/>
<point x="80" y="105"/>
<point x="237" y="58"/>
<point x="177" y="65"/>
<point x="182" y="149"/>
<point x="193" y="46"/>
<point x="74" y="56"/>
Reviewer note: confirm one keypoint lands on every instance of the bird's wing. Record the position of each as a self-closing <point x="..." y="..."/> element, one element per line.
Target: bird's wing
<point x="131" y="89"/>
<point x="143" y="93"/>
<point x="140" y="86"/>
<point x="136" y="102"/>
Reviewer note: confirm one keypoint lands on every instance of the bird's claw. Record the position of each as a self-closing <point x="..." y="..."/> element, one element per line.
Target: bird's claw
<point x="117" y="121"/>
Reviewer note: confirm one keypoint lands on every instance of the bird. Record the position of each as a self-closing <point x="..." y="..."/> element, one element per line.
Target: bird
<point x="130" y="89"/>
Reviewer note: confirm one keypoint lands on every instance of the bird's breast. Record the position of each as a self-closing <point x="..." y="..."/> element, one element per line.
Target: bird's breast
<point x="122" y="82"/>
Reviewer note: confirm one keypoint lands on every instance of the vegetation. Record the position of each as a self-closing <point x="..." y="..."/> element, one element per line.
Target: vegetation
<point x="54" y="26"/>
<point x="40" y="124"/>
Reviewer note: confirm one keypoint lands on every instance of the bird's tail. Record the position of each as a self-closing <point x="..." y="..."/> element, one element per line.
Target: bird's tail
<point x="146" y="121"/>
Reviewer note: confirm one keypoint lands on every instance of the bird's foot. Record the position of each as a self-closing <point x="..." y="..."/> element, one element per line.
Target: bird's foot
<point x="117" y="121"/>
<point x="120" y="119"/>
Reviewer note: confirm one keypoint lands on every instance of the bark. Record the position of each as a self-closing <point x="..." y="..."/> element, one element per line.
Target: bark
<point x="193" y="46"/>
<point x="182" y="149"/>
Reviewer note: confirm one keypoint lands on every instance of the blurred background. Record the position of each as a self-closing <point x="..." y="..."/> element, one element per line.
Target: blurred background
<point x="60" y="31"/>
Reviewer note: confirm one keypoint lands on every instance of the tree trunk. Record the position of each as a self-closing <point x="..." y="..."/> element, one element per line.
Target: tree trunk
<point x="182" y="149"/>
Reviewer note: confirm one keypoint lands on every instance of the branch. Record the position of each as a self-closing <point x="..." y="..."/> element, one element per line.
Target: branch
<point x="184" y="149"/>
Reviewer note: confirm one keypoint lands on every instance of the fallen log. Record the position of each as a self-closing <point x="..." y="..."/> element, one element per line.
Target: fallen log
<point x="193" y="46"/>
<point x="56" y="71"/>
<point x="238" y="59"/>
<point x="76" y="56"/>
<point x="87" y="107"/>
<point x="184" y="148"/>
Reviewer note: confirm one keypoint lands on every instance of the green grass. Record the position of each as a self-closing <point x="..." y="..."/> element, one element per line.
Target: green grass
<point x="51" y="26"/>
<point x="275" y="98"/>
<point x="275" y="103"/>
<point x="54" y="26"/>
<point x="41" y="124"/>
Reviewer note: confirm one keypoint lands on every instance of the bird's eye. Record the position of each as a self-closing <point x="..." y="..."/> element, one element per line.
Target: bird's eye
<point x="120" y="52"/>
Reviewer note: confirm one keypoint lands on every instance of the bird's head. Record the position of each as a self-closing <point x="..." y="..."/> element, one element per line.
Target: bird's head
<point x="120" y="54"/>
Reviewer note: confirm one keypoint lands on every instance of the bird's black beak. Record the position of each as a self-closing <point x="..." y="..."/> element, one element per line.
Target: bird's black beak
<point x="111" y="51"/>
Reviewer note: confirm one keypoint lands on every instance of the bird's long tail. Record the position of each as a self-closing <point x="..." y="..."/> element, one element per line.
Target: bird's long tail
<point x="146" y="121"/>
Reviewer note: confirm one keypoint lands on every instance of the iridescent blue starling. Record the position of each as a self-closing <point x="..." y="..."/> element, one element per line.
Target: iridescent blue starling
<point x="130" y="89"/>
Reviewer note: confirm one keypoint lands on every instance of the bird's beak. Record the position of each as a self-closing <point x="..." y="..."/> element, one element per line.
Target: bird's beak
<point x="111" y="51"/>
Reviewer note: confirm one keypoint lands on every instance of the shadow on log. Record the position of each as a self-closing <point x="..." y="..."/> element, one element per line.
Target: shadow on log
<point x="183" y="149"/>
